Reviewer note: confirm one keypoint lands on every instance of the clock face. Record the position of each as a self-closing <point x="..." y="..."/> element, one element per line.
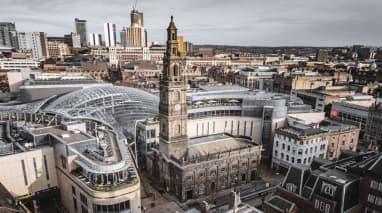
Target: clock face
<point x="177" y="107"/>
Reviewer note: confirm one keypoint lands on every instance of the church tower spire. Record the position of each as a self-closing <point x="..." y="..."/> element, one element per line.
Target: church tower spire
<point x="173" y="107"/>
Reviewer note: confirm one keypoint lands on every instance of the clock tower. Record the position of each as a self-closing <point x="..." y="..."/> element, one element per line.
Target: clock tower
<point x="173" y="138"/>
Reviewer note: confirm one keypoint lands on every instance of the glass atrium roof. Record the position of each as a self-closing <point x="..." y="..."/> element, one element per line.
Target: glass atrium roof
<point x="118" y="106"/>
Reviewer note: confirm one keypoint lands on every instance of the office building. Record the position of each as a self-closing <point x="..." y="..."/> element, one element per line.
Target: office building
<point x="189" y="48"/>
<point x="322" y="55"/>
<point x="76" y="40"/>
<point x="373" y="130"/>
<point x="298" y="144"/>
<point x="81" y="29"/>
<point x="254" y="77"/>
<point x="110" y="35"/>
<point x="8" y="34"/>
<point x="353" y="110"/>
<point x="136" y="35"/>
<point x="57" y="48"/>
<point x="320" y="99"/>
<point x="95" y="39"/>
<point x="182" y="50"/>
<point x="123" y="38"/>
<point x="17" y="64"/>
<point x="35" y="42"/>
<point x="136" y="18"/>
<point x="341" y="137"/>
<point x="305" y="80"/>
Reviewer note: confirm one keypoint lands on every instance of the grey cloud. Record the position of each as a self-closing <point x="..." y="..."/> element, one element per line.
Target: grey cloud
<point x="239" y="22"/>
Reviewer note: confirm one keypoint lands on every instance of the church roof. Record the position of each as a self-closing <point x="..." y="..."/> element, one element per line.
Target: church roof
<point x="213" y="144"/>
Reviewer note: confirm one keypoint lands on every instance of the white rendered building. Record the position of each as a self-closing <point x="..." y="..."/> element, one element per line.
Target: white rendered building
<point x="298" y="144"/>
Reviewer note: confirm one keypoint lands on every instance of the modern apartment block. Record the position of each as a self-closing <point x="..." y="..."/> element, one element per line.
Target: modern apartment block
<point x="35" y="42"/>
<point x="8" y="36"/>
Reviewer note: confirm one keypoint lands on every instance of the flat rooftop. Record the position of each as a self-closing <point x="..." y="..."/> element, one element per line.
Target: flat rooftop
<point x="66" y="136"/>
<point x="213" y="144"/>
<point x="301" y="130"/>
<point x="279" y="203"/>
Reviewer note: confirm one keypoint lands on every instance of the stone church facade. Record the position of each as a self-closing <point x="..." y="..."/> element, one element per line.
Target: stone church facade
<point x="193" y="167"/>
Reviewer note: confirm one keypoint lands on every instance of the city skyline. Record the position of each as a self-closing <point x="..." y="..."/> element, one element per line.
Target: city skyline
<point x="244" y="22"/>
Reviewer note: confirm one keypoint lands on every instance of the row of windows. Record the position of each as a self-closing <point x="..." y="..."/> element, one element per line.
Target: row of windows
<point x="288" y="139"/>
<point x="222" y="169"/>
<point x="120" y="207"/>
<point x="322" y="206"/>
<point x="368" y="210"/>
<point x="376" y="185"/>
<point x="292" y="159"/>
<point x="374" y="199"/>
<point x="35" y="169"/>
<point x="300" y="151"/>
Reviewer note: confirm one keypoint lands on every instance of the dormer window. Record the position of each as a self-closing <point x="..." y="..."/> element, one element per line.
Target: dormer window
<point x="328" y="189"/>
<point x="290" y="187"/>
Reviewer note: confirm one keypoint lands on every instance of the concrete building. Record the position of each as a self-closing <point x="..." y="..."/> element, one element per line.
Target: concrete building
<point x="298" y="144"/>
<point x="35" y="41"/>
<point x="110" y="34"/>
<point x="60" y="150"/>
<point x="254" y="77"/>
<point x="95" y="39"/>
<point x="189" y="47"/>
<point x="118" y="55"/>
<point x="36" y="85"/>
<point x="373" y="133"/>
<point x="341" y="137"/>
<point x="8" y="34"/>
<point x="16" y="64"/>
<point x="58" y="48"/>
<point x="136" y="35"/>
<point x="322" y="55"/>
<point x="320" y="99"/>
<point x="81" y="29"/>
<point x="354" y="110"/>
<point x="182" y="50"/>
<point x="123" y="37"/>
<point x="300" y="80"/>
<point x="76" y="40"/>
<point x="193" y="167"/>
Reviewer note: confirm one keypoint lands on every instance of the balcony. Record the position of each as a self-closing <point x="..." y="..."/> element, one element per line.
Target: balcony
<point x="107" y="182"/>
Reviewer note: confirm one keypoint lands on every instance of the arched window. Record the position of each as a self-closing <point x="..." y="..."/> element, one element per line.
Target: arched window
<point x="163" y="128"/>
<point x="178" y="129"/>
<point x="177" y="96"/>
<point x="176" y="70"/>
<point x="173" y="37"/>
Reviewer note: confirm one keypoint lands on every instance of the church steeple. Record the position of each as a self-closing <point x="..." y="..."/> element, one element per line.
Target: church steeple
<point x="172" y="71"/>
<point x="173" y="107"/>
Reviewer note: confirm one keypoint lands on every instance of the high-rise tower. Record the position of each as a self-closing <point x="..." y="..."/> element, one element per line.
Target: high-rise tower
<point x="136" y="35"/>
<point x="81" y="29"/>
<point x="8" y="36"/>
<point x="110" y="35"/>
<point x="172" y="107"/>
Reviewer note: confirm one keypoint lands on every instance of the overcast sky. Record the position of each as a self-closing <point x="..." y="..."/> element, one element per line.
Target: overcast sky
<point x="235" y="22"/>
